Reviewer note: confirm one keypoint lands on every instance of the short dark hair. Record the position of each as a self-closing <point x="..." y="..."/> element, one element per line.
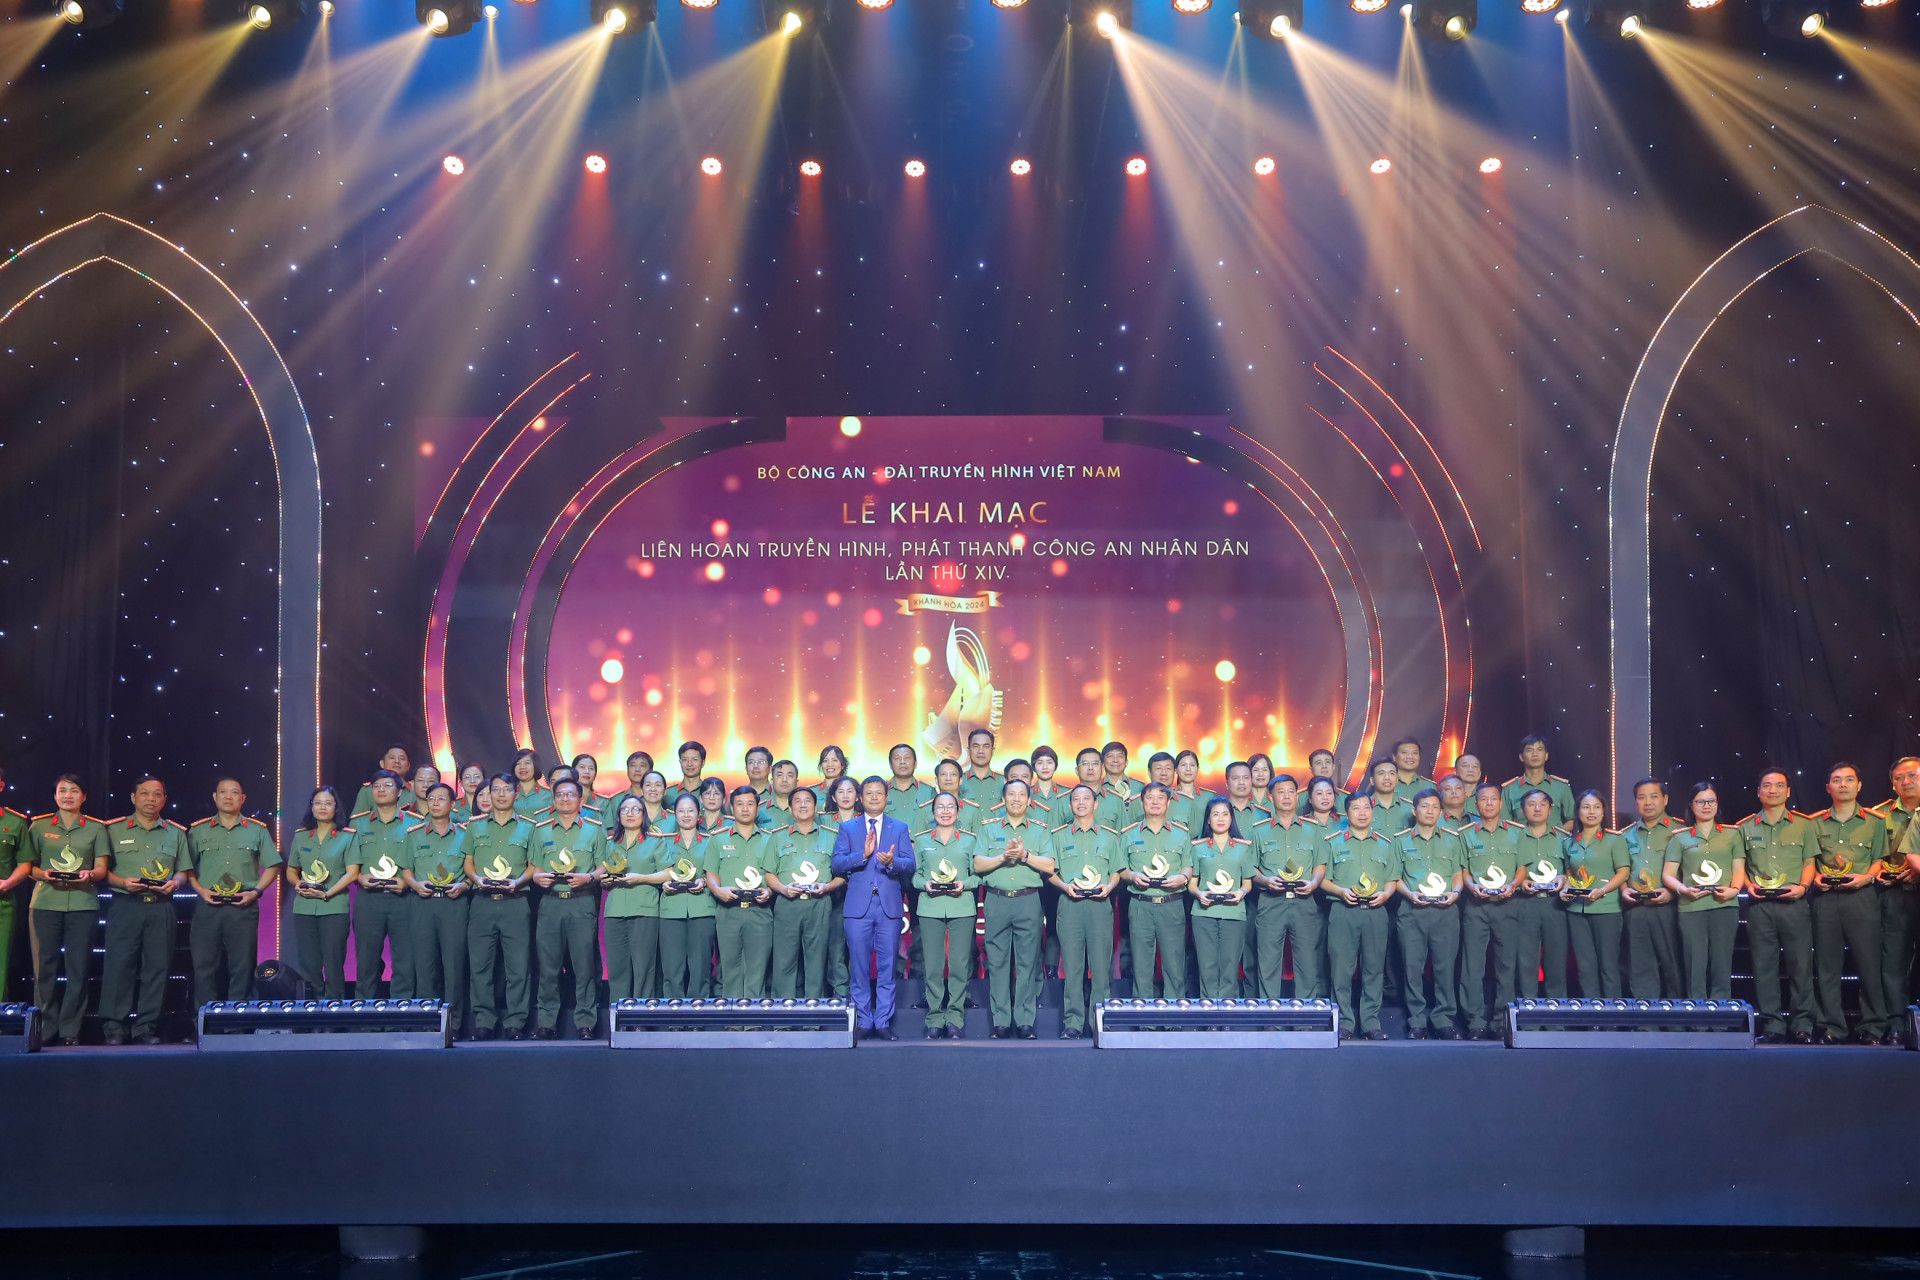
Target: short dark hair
<point x="1530" y="793"/>
<point x="1115" y="745"/>
<point x="499" y="778"/>
<point x="524" y="753"/>
<point x="1078" y="786"/>
<point x="1161" y="787"/>
<point x="1655" y="783"/>
<point x="639" y="755"/>
<point x="873" y="780"/>
<point x="1488" y="784"/>
<point x="690" y="745"/>
<point x="947" y="762"/>
<point x="308" y="822"/>
<point x="1158" y="756"/>
<point x="568" y="781"/>
<point x="1426" y="793"/>
<point x="1838" y="765"/>
<point x="1084" y="752"/>
<point x="1405" y="742"/>
<point x="1383" y="760"/>
<point x="74" y="778"/>
<point x="401" y="747"/>
<point x="763" y="751"/>
<point x="742" y="790"/>
<point x="902" y="746"/>
<point x="386" y="775"/>
<point x="1044" y="750"/>
<point x="145" y="778"/>
<point x="790" y="764"/>
<point x="1530" y="739"/>
<point x="1018" y="762"/>
<point x="1317" y="752"/>
<point x="1355" y="797"/>
<point x="1238" y="764"/>
<point x="442" y="786"/>
<point x="1785" y="777"/>
<point x="1279" y="778"/>
<point x="1018" y="782"/>
<point x="713" y="784"/>
<point x="980" y="731"/>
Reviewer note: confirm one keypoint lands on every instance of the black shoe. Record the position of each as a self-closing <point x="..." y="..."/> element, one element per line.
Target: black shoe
<point x="1825" y="1037"/>
<point x="1376" y="1035"/>
<point x="1448" y="1033"/>
<point x="69" y="1042"/>
<point x="1865" y="1037"/>
<point x="1003" y="1033"/>
<point x="514" y="1033"/>
<point x="1486" y="1033"/>
<point x="936" y="1033"/>
<point x="1345" y="1034"/>
<point x="1800" y="1037"/>
<point x="1891" y="1039"/>
<point x="544" y="1033"/>
<point x="116" y="1036"/>
<point x="1026" y="1033"/>
<point x="486" y="1033"/>
<point x="955" y="1031"/>
<point x="1072" y="1033"/>
<point x="886" y="1032"/>
<point x="584" y="1033"/>
<point x="147" y="1038"/>
<point x="1416" y="1033"/>
<point x="1771" y="1037"/>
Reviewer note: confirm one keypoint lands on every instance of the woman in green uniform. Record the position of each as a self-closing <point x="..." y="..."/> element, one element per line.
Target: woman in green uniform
<point x="69" y="853"/>
<point x="842" y="806"/>
<point x="530" y="798"/>
<point x="1706" y="868"/>
<point x="1542" y="850"/>
<point x="1222" y="861"/>
<point x="944" y="916"/>
<point x="1597" y="865"/>
<point x="474" y="798"/>
<point x="323" y="861"/>
<point x="633" y="902"/>
<point x="585" y="770"/>
<point x="1260" y="764"/>
<point x="833" y="767"/>
<point x="653" y="799"/>
<point x="686" y="909"/>
<point x="713" y="806"/>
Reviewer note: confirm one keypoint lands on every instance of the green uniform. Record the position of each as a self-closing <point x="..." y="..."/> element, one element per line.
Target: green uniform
<point x="1085" y="855"/>
<point x="1543" y="938"/>
<point x="1846" y="922"/>
<point x="1897" y="910"/>
<point x="943" y="922"/>
<point x="1188" y="809"/>
<point x="499" y="925"/>
<point x="1289" y="851"/>
<point x="438" y="862"/>
<point x="905" y="803"/>
<point x="1357" y="936"/>
<point x="1408" y="790"/>
<point x="839" y="968"/>
<point x="1429" y="934"/>
<point x="1013" y="921"/>
<point x="1594" y="927"/>
<point x="609" y="813"/>
<point x="64" y="920"/>
<point x="1219" y="928"/>
<point x="968" y="819"/>
<point x="535" y="804"/>
<point x="1652" y="929"/>
<point x="802" y="927"/>
<point x="1157" y="918"/>
<point x="223" y="935"/>
<point x="1780" y="933"/>
<point x="1707" y="926"/>
<point x="686" y="925"/>
<point x="1558" y="790"/>
<point x="320" y="925"/>
<point x="631" y="925"/>
<point x="13" y="839"/>
<point x="382" y="918"/>
<point x="1117" y="807"/>
<point x="745" y="925"/>
<point x="1488" y="924"/>
<point x="984" y="792"/>
<point x="677" y="789"/>
<point x="140" y="926"/>
<point x="566" y="925"/>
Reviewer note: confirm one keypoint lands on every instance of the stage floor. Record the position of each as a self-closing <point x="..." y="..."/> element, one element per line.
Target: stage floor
<point x="974" y="1131"/>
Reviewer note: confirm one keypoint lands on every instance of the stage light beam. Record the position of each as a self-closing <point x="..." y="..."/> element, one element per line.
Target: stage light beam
<point x="1630" y="26"/>
<point x="1367" y="6"/>
<point x="791" y="23"/>
<point x="699" y="4"/>
<point x="1539" y="6"/>
<point x="1381" y="167"/>
<point x="614" y="20"/>
<point x="1106" y="25"/>
<point x="260" y="17"/>
<point x="1008" y="4"/>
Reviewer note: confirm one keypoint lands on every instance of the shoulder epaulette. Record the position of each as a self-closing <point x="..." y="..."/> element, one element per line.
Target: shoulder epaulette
<point x="585" y="817"/>
<point x="547" y="823"/>
<point x="1201" y="840"/>
<point x="413" y="827"/>
<point x="1131" y="826"/>
<point x="1510" y="781"/>
<point x="997" y="808"/>
<point x="1554" y="777"/>
<point x="339" y="831"/>
<point x="363" y="813"/>
<point x="1062" y="827"/>
<point x="964" y="802"/>
<point x="114" y="822"/>
<point x="15" y="812"/>
<point x="201" y="823"/>
<point x="1334" y="835"/>
<point x="1241" y="840"/>
<point x="255" y="821"/>
<point x="1824" y="813"/>
<point x="1108" y="830"/>
<point x="1177" y="825"/>
<point x="1620" y="831"/>
<point x="1264" y="822"/>
<point x="1796" y="813"/>
<point x="1752" y="817"/>
<point x="1509" y="822"/>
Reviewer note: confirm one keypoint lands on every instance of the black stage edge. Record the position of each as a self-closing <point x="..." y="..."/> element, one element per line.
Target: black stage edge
<point x="975" y="1131"/>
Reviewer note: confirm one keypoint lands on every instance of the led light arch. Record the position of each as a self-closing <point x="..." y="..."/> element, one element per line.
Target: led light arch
<point x="1808" y="229"/>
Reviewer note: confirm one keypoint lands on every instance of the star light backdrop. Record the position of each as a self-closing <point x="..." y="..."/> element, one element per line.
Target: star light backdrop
<point x="932" y="212"/>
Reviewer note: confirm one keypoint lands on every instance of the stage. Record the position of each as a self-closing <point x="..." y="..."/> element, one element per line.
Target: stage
<point x="978" y="1131"/>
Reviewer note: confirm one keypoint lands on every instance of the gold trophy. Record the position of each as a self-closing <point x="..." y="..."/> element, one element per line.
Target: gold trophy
<point x="314" y="876"/>
<point x="152" y="878"/>
<point x="440" y="880"/>
<point x="749" y="885"/>
<point x="1540" y="876"/>
<point x="563" y="866"/>
<point x="615" y="864"/>
<point x="1291" y="877"/>
<point x="945" y="879"/>
<point x="1221" y="887"/>
<point x="1768" y="885"/>
<point x="1493" y="882"/>
<point x="496" y="876"/>
<point x="1364" y="888"/>
<point x="1433" y="888"/>
<point x="684" y="877"/>
<point x="1647" y="885"/>
<point x="1895" y="863"/>
<point x="1708" y="876"/>
<point x="64" y="865"/>
<point x="1580" y="882"/>
<point x="1087" y="883"/>
<point x="806" y="878"/>
<point x="386" y="872"/>
<point x="1834" y="869"/>
<point x="227" y="889"/>
<point x="1157" y="871"/>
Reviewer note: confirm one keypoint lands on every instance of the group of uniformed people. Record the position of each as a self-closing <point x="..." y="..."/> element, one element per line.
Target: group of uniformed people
<point x="491" y="892"/>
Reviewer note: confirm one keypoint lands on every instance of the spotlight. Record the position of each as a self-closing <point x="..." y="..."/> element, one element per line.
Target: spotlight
<point x="1192" y="6"/>
<point x="1272" y="19"/>
<point x="809" y="168"/>
<point x="1623" y="19"/>
<point x="1446" y="19"/>
<point x="699" y="4"/>
<point x="1490" y="165"/>
<point x="1630" y="26"/>
<point x="259" y="17"/>
<point x="596" y="163"/>
<point x="1264" y="167"/>
<point x="1790" y="18"/>
<point x="615" y="16"/>
<point x="1107" y="17"/>
<point x="1021" y="168"/>
<point x="326" y="8"/>
<point x="1875" y="4"/>
<point x="88" y="13"/>
<point x="1136" y="167"/>
<point x="614" y="19"/>
<point x="454" y="165"/>
<point x="876" y="4"/>
<point x="262" y="15"/>
<point x="447" y="17"/>
<point x="711" y="166"/>
<point x="916" y="169"/>
<point x="789" y="17"/>
<point x="1367" y="6"/>
<point x="1539" y="6"/>
<point x="1562" y="16"/>
<point x="1381" y="167"/>
<point x="1709" y="4"/>
<point x="1008" y="4"/>
<point x="491" y="11"/>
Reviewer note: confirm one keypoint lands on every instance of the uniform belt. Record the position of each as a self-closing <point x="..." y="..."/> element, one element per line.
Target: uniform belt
<point x="1012" y="893"/>
<point x="1156" y="897"/>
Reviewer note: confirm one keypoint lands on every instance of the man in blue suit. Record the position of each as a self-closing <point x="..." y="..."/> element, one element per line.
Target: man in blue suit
<point x="875" y="855"/>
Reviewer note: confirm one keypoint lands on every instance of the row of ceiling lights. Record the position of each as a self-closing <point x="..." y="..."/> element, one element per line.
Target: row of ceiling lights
<point x="1136" y="166"/>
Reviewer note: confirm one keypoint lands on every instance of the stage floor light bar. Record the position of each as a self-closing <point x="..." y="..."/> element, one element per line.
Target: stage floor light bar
<point x="255" y="1026"/>
<point x="1216" y="1024"/>
<point x="19" y="1028"/>
<point x="732" y="1024"/>
<point x="1630" y="1024"/>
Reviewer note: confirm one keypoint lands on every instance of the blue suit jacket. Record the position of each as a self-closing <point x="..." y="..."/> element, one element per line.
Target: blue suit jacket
<point x="872" y="887"/>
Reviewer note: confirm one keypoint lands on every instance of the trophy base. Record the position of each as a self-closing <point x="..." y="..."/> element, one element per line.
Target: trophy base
<point x="1216" y="899"/>
<point x="63" y="877"/>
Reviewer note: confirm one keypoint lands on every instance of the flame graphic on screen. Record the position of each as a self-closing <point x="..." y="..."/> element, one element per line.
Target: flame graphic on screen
<point x="975" y="703"/>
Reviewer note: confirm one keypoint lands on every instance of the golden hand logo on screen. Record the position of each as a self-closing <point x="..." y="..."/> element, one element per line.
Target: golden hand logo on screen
<point x="974" y="704"/>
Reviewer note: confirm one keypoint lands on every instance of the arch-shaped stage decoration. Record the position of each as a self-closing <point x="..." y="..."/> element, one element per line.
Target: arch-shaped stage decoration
<point x="1808" y="229"/>
<point x="171" y="269"/>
